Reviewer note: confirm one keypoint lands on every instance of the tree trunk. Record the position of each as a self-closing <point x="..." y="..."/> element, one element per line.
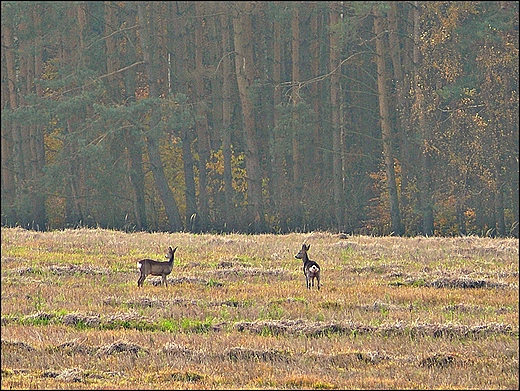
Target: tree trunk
<point x="8" y="101"/>
<point x="135" y="152"/>
<point x="72" y="53"/>
<point x="202" y="123"/>
<point x="245" y="74"/>
<point x="425" y="192"/>
<point x="499" y="210"/>
<point x="403" y="112"/>
<point x="315" y="91"/>
<point x="337" y="175"/>
<point x="112" y="53"/>
<point x="74" y="215"/>
<point x="388" y="150"/>
<point x="179" y="43"/>
<point x="297" y="166"/>
<point x="37" y="144"/>
<point x="18" y="164"/>
<point x="278" y="173"/>
<point x="152" y="138"/>
<point x="514" y="167"/>
<point x="226" y="122"/>
<point x="189" y="180"/>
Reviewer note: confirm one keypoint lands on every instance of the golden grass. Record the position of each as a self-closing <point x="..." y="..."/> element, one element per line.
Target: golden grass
<point x="406" y="313"/>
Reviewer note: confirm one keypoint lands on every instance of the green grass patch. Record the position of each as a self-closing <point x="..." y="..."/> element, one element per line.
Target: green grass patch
<point x="189" y="325"/>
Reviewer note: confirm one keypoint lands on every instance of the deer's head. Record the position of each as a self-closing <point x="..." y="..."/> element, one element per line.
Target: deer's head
<point x="303" y="251"/>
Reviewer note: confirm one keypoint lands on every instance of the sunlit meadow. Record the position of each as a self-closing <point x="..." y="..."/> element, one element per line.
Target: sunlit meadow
<point x="407" y="313"/>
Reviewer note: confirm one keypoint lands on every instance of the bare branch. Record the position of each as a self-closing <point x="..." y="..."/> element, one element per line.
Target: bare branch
<point x="316" y="79"/>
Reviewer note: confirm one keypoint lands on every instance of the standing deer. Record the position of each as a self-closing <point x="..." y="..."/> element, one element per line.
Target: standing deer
<point x="310" y="268"/>
<point x="156" y="268"/>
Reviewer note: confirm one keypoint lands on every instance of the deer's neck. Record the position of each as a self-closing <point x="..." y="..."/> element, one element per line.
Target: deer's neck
<point x="305" y="258"/>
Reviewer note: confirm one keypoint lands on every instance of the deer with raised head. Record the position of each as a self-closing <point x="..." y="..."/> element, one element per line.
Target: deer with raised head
<point x="310" y="268"/>
<point x="156" y="268"/>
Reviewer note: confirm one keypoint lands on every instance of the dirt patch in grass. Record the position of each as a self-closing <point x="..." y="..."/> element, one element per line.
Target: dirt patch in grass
<point x="96" y="320"/>
<point x="73" y="347"/>
<point x="132" y="320"/>
<point x="379" y="306"/>
<point x="249" y="272"/>
<point x="173" y="349"/>
<point x="16" y="346"/>
<point x="77" y="375"/>
<point x="187" y="376"/>
<point x="146" y="302"/>
<point x="451" y="282"/>
<point x="38" y="317"/>
<point x="241" y="353"/>
<point x="231" y="274"/>
<point x="185" y="280"/>
<point x="120" y="347"/>
<point x="125" y="317"/>
<point x="298" y="326"/>
<point x="475" y="309"/>
<point x="466" y="283"/>
<point x="80" y="319"/>
<point x="67" y="375"/>
<point x="76" y="346"/>
<point x="69" y="270"/>
<point x="315" y="329"/>
<point x="392" y="270"/>
<point x="351" y="358"/>
<point x="75" y="269"/>
<point x="443" y="360"/>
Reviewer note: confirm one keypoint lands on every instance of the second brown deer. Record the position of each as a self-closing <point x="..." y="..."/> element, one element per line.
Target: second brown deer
<point x="311" y="269"/>
<point x="156" y="268"/>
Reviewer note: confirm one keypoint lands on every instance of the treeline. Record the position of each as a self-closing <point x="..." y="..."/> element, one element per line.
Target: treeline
<point x="362" y="117"/>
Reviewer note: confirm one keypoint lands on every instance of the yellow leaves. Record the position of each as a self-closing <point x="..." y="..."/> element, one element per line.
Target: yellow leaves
<point x="216" y="163"/>
<point x="470" y="92"/>
<point x="480" y="121"/>
<point x="215" y="166"/>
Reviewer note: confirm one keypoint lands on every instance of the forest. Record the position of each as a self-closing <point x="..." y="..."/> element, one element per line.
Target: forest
<point x="377" y="118"/>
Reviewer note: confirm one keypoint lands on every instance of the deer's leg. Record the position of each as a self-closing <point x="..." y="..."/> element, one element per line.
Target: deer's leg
<point x="141" y="280"/>
<point x="164" y="279"/>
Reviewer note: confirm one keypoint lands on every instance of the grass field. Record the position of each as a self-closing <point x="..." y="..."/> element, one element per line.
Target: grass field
<point x="392" y="313"/>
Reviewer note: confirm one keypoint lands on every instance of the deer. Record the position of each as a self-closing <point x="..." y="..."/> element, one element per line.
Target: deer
<point x="156" y="268"/>
<point x="310" y="268"/>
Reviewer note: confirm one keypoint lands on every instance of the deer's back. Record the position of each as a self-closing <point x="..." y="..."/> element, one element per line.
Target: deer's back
<point x="155" y="268"/>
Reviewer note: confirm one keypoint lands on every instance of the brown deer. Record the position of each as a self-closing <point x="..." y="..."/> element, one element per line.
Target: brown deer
<point x="310" y="268"/>
<point x="156" y="268"/>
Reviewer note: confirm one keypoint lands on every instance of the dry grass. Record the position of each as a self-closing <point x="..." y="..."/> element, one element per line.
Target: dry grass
<point x="408" y="313"/>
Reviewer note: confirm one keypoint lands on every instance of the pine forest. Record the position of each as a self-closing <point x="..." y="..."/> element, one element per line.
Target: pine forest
<point x="375" y="118"/>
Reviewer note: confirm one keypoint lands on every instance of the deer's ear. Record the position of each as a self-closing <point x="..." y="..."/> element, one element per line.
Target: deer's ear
<point x="174" y="249"/>
<point x="308" y="246"/>
<point x="171" y="249"/>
